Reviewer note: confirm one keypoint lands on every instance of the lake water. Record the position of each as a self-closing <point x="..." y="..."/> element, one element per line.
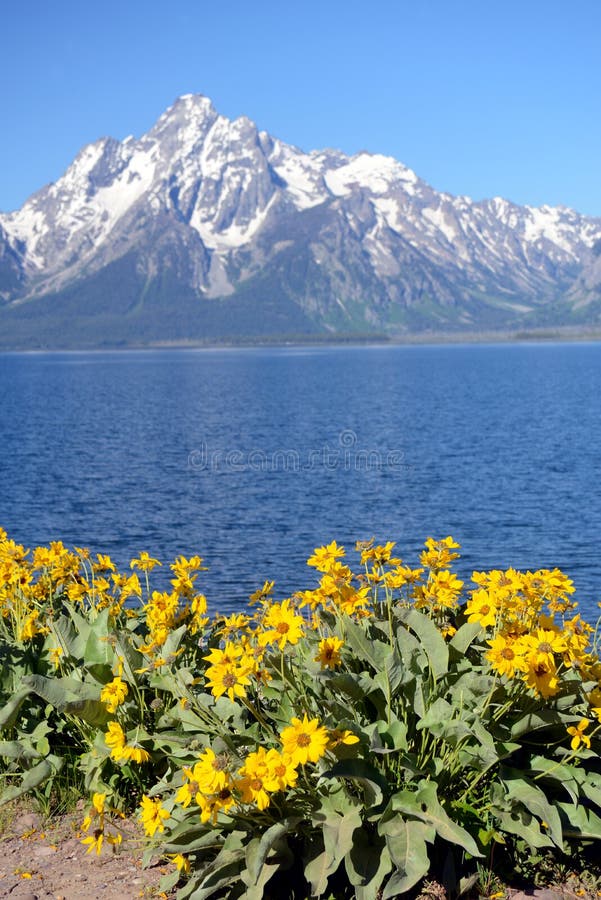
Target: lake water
<point x="252" y="457"/>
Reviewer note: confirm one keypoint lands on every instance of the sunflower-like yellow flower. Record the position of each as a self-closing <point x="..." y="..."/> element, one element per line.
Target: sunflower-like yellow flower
<point x="113" y="694"/>
<point x="541" y="675"/>
<point x="438" y="554"/>
<point x="181" y="862"/>
<point x="506" y="655"/>
<point x="144" y="562"/>
<point x="323" y="557"/>
<point x="304" y="741"/>
<point x="282" y="769"/>
<point x="257" y="779"/>
<point x="578" y="735"/>
<point x="341" y="736"/>
<point x="152" y="815"/>
<point x="115" y="739"/>
<point x="329" y="653"/>
<point x="282" y="625"/>
<point x="482" y="608"/>
<point x="228" y="679"/>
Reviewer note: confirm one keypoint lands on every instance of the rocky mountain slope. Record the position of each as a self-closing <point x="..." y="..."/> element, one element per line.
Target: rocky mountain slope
<point x="206" y="228"/>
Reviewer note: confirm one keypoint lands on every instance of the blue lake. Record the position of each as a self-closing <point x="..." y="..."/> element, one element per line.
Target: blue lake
<point x="252" y="457"/>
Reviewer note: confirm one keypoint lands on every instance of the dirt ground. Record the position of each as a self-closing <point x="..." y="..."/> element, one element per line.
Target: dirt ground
<point x="49" y="862"/>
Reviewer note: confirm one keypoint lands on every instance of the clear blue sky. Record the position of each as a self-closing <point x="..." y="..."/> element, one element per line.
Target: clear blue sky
<point x="479" y="97"/>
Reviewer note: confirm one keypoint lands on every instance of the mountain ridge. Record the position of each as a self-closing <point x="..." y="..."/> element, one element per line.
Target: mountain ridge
<point x="208" y="228"/>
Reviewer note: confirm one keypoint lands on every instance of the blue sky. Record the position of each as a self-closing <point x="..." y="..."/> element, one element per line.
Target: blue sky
<point x="486" y="98"/>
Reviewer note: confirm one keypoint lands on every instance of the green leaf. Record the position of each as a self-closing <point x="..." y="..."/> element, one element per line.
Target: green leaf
<point x="18" y="750"/>
<point x="387" y="737"/>
<point x="520" y="790"/>
<point x="406" y="842"/>
<point x="257" y="850"/>
<point x="464" y="637"/>
<point x="534" y="721"/>
<point x="579" y="823"/>
<point x="337" y="833"/>
<point x="431" y="640"/>
<point x="34" y="778"/>
<point x="367" y="649"/>
<point x="10" y="711"/>
<point x="567" y="777"/>
<point x="367" y="864"/>
<point x="359" y="770"/>
<point x="424" y="805"/>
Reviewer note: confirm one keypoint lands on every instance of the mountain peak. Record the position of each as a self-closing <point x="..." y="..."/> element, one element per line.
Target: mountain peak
<point x="205" y="207"/>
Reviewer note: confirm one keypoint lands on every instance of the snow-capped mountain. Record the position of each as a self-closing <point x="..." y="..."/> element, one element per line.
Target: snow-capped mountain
<point x="206" y="227"/>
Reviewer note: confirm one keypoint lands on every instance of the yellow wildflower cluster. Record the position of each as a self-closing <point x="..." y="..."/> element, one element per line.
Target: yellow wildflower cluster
<point x="520" y="610"/>
<point x="216" y="783"/>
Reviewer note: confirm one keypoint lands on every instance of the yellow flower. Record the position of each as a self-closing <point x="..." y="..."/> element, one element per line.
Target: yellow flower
<point x="482" y="608"/>
<point x="144" y="562"/>
<point x="94" y="842"/>
<point x="323" y="557"/>
<point x="212" y="805"/>
<point x="210" y="773"/>
<point x="258" y="779"/>
<point x="98" y="801"/>
<point x="31" y="627"/>
<point x="541" y="675"/>
<point x="135" y="753"/>
<point x="304" y="741"/>
<point x="228" y="679"/>
<point x="503" y="656"/>
<point x="263" y="593"/>
<point x="578" y="736"/>
<point x="282" y="625"/>
<point x="115" y="739"/>
<point x="104" y="563"/>
<point x="329" y="653"/>
<point x="152" y="815"/>
<point x="438" y="554"/>
<point x="55" y="654"/>
<point x="113" y="694"/>
<point x="339" y="736"/>
<point x="282" y="769"/>
<point x="182" y="863"/>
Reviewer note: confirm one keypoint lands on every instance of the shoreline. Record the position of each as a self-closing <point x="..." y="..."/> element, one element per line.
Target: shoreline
<point x="561" y="335"/>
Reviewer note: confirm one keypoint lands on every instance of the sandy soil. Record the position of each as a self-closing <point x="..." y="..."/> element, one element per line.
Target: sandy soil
<point x="49" y="862"/>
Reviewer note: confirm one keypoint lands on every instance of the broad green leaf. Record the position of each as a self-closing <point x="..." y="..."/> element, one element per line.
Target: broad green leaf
<point x="464" y="637"/>
<point x="367" y="649"/>
<point x="521" y="823"/>
<point x="367" y="864"/>
<point x="579" y="822"/>
<point x="337" y="833"/>
<point x="256" y="852"/>
<point x="534" y="721"/>
<point x="10" y="711"/>
<point x="566" y="776"/>
<point x="406" y="842"/>
<point x="359" y="770"/>
<point x="424" y="805"/>
<point x="387" y="737"/>
<point x="18" y="750"/>
<point x="34" y="778"/>
<point x="431" y="640"/>
<point x="409" y="649"/>
<point x="520" y="790"/>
